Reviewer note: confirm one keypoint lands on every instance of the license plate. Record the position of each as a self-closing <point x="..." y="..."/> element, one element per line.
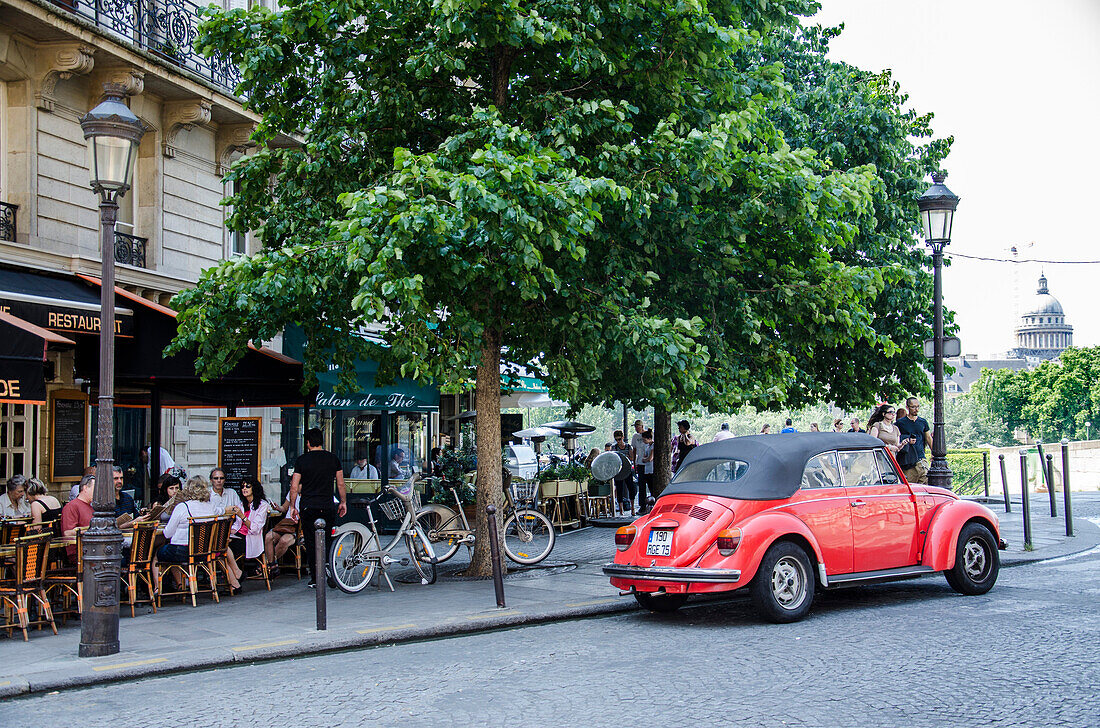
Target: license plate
<point x="660" y="543"/>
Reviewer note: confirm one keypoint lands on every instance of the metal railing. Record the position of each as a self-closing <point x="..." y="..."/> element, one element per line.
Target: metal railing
<point x="130" y="249"/>
<point x="7" y="221"/>
<point x="166" y="28"/>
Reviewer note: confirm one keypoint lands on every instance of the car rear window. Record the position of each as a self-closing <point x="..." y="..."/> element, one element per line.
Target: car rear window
<point x="711" y="471"/>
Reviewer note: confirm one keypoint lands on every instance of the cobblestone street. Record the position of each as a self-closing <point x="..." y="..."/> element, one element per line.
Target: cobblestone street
<point x="910" y="654"/>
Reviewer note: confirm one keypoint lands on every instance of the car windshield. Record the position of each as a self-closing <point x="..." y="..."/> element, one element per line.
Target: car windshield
<point x="711" y="471"/>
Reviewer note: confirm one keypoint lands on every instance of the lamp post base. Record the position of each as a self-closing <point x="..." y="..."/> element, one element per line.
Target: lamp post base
<point x="939" y="474"/>
<point x="102" y="566"/>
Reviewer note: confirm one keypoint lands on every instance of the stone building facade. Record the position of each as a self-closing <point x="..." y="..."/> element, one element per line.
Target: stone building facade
<point x="55" y="57"/>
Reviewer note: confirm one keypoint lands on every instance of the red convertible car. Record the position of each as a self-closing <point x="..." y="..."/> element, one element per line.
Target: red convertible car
<point x="785" y="515"/>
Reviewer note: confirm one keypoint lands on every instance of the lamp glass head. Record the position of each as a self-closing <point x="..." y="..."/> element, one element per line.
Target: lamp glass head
<point x="112" y="133"/>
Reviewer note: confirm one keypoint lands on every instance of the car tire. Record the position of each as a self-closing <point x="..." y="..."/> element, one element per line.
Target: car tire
<point x="657" y="602"/>
<point x="783" y="588"/>
<point x="977" y="562"/>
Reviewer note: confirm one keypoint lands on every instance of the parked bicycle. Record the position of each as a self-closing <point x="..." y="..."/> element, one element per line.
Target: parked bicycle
<point x="355" y="553"/>
<point x="528" y="534"/>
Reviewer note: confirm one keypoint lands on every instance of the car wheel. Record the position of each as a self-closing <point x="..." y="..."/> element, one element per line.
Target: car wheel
<point x="977" y="562"/>
<point x="656" y="602"/>
<point x="783" y="588"/>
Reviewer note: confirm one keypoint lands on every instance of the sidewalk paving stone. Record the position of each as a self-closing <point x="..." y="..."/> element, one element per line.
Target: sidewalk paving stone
<point x="258" y="625"/>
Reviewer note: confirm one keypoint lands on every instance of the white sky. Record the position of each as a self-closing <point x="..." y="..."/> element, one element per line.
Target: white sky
<point x="1018" y="85"/>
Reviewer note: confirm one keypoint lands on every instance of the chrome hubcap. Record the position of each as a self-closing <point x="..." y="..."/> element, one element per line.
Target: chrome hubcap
<point x="789" y="583"/>
<point x="975" y="559"/>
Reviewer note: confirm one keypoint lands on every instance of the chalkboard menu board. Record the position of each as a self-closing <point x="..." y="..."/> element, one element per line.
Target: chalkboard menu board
<point x="68" y="435"/>
<point x="239" y="448"/>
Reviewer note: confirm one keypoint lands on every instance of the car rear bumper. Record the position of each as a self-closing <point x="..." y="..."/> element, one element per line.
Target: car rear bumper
<point x="672" y="573"/>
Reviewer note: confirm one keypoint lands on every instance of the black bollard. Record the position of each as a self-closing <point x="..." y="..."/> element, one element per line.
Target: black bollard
<point x="1004" y="484"/>
<point x="1050" y="485"/>
<point x="1065" y="487"/>
<point x="320" y="573"/>
<point x="494" y="554"/>
<point x="1026" y="502"/>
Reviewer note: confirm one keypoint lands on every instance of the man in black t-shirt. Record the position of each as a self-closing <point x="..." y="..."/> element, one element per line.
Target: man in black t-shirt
<point x="915" y="430"/>
<point x="316" y="472"/>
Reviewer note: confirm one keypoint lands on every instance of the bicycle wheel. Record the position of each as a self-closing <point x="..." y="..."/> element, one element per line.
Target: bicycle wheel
<point x="422" y="558"/>
<point x="435" y="518"/>
<point x="528" y="536"/>
<point x="351" y="570"/>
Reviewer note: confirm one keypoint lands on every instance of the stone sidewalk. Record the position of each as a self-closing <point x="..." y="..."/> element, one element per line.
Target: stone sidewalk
<point x="259" y="625"/>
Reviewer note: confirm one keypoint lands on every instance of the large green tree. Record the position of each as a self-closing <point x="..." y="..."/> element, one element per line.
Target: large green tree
<point x="457" y="164"/>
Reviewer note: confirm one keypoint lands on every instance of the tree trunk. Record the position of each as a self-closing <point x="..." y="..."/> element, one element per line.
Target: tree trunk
<point x="662" y="449"/>
<point x="487" y="426"/>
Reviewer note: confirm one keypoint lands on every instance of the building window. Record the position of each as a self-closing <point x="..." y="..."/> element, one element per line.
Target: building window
<point x="236" y="242"/>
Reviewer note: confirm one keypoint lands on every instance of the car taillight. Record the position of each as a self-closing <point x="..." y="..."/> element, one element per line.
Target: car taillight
<point x="728" y="540"/>
<point x="624" y="537"/>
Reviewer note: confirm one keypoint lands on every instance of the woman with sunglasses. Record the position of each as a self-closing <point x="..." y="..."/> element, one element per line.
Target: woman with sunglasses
<point x="881" y="425"/>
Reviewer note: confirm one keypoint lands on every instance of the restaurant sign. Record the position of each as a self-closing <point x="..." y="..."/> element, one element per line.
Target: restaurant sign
<point x="65" y="319"/>
<point x="402" y="395"/>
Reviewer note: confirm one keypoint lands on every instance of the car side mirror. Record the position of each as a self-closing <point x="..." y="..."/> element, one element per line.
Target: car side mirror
<point x="890" y="479"/>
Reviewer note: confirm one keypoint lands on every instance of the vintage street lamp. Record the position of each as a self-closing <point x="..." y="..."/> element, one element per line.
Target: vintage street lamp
<point x="112" y="133"/>
<point x="937" y="208"/>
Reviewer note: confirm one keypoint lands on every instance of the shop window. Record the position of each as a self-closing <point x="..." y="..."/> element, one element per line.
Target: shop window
<point x="17" y="439"/>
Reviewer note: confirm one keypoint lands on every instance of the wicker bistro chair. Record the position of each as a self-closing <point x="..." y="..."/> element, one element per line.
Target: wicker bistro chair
<point x="69" y="580"/>
<point x="262" y="571"/>
<point x="219" y="556"/>
<point x="140" y="568"/>
<point x="200" y="548"/>
<point x="294" y="558"/>
<point x="31" y="556"/>
<point x="13" y="528"/>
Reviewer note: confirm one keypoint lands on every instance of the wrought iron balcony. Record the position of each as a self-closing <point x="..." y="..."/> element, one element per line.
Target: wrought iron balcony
<point x="167" y="28"/>
<point x="130" y="249"/>
<point x="7" y="221"/>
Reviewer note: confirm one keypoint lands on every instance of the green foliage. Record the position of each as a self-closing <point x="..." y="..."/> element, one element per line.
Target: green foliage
<point x="1052" y="401"/>
<point x="966" y="471"/>
<point x="969" y="424"/>
<point x="452" y="467"/>
<point x="565" y="471"/>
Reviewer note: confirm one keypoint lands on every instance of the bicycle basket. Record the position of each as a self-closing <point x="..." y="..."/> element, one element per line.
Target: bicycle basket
<point x="524" y="490"/>
<point x="395" y="507"/>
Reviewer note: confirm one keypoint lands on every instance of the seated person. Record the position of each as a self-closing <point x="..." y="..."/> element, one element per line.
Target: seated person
<point x="282" y="536"/>
<point x="364" y="469"/>
<point x="44" y="507"/>
<point x="75" y="490"/>
<point x="168" y="495"/>
<point x="124" y="502"/>
<point x="398" y="468"/>
<point x="13" y="503"/>
<point x="77" y="513"/>
<point x="248" y="529"/>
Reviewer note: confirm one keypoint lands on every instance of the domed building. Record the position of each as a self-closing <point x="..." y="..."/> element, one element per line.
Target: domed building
<point x="1043" y="332"/>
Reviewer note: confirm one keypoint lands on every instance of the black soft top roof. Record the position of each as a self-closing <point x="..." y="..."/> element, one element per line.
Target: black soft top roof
<point x="775" y="462"/>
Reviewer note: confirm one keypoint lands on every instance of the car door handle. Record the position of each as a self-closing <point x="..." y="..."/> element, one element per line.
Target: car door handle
<point x="858" y="504"/>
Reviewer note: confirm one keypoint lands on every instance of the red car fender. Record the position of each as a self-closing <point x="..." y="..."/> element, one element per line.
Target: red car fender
<point x="943" y="532"/>
<point x="759" y="532"/>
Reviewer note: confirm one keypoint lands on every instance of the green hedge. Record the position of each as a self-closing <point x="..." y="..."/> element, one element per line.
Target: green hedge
<point x="966" y="469"/>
